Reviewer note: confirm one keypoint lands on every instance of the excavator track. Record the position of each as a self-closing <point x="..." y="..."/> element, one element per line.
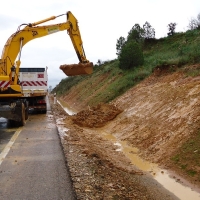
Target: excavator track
<point x="77" y="69"/>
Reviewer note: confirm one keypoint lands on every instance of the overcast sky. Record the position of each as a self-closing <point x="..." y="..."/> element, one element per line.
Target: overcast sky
<point x="101" y="23"/>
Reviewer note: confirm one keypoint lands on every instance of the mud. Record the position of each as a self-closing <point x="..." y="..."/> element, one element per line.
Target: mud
<point x="96" y="116"/>
<point x="77" y="69"/>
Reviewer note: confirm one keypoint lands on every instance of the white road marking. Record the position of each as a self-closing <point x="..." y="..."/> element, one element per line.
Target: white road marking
<point x="9" y="145"/>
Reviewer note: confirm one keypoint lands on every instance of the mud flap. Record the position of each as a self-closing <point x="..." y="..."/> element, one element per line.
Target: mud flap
<point x="23" y="115"/>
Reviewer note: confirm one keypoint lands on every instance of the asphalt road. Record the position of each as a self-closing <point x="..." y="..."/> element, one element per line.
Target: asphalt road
<point x="32" y="164"/>
<point x="6" y="132"/>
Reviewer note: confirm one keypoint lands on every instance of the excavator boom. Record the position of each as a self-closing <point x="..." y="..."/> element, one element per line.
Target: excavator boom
<point x="9" y="66"/>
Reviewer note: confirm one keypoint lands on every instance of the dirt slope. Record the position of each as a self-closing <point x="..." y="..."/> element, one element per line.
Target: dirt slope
<point x="159" y="114"/>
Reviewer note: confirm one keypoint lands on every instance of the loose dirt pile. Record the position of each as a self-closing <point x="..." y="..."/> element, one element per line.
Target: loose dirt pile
<point x="96" y="116"/>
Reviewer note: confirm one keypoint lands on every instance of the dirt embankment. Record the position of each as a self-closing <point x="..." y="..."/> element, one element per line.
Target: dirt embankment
<point x="157" y="116"/>
<point x="160" y="115"/>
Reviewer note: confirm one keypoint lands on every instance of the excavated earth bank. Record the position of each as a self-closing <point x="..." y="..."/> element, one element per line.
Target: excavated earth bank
<point x="157" y="116"/>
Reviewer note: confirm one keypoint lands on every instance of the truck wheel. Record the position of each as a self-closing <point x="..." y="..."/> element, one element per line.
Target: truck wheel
<point x="12" y="123"/>
<point x="23" y="117"/>
<point x="44" y="111"/>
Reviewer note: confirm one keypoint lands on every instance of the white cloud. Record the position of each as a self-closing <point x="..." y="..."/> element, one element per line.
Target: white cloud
<point x="101" y="23"/>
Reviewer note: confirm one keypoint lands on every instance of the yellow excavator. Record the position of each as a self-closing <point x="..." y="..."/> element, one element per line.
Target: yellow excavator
<point x="13" y="105"/>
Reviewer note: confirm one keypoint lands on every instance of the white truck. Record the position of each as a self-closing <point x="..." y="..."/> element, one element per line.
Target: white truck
<point x="34" y="83"/>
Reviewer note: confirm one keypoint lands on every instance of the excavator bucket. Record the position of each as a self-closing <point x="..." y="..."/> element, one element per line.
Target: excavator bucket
<point x="77" y="69"/>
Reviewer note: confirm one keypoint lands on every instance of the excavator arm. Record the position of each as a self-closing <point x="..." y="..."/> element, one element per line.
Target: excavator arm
<point x="9" y="66"/>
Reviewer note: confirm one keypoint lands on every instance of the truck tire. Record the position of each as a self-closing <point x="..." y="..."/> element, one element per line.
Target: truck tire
<point x="12" y="123"/>
<point x="23" y="116"/>
<point x="45" y="111"/>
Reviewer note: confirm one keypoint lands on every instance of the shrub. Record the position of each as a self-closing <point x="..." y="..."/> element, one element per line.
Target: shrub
<point x="131" y="56"/>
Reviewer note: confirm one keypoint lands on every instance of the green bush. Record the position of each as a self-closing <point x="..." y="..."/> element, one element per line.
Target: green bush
<point x="131" y="56"/>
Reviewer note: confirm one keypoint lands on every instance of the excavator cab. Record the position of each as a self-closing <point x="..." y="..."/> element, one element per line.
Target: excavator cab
<point x="77" y="69"/>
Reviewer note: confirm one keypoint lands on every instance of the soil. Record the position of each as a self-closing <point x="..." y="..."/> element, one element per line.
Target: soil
<point x="97" y="170"/>
<point x="157" y="116"/>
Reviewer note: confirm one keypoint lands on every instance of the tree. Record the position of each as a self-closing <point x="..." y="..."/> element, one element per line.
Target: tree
<point x="120" y="43"/>
<point x="149" y="32"/>
<point x="198" y="17"/>
<point x="194" y="23"/>
<point x="136" y="33"/>
<point x="99" y="62"/>
<point x="131" y="55"/>
<point x="171" y="28"/>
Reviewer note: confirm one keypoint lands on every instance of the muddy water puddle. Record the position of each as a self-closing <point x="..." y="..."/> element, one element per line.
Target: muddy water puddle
<point x="162" y="176"/>
<point x="60" y="124"/>
<point x="61" y="128"/>
<point x="66" y="107"/>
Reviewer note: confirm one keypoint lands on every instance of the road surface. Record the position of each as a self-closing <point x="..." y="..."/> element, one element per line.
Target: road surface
<point x="32" y="164"/>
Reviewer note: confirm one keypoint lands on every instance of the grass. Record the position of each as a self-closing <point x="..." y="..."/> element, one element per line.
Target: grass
<point x="188" y="157"/>
<point x="193" y="72"/>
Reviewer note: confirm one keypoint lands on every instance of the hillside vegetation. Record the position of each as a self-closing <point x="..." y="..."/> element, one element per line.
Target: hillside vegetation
<point x="175" y="51"/>
<point x="160" y="100"/>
